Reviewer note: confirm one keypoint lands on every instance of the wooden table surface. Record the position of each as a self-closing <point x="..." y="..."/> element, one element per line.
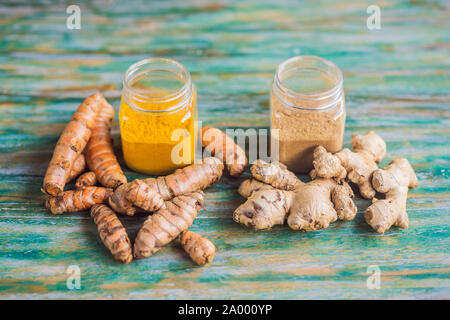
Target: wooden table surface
<point x="396" y="83"/>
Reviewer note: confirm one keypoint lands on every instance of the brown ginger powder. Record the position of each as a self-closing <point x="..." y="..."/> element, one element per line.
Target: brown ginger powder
<point x="300" y="131"/>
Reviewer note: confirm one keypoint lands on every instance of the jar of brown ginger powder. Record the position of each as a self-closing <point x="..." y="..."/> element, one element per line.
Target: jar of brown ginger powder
<point x="308" y="109"/>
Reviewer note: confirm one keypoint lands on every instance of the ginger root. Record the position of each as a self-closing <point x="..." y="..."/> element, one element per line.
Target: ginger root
<point x="195" y="177"/>
<point x="79" y="165"/>
<point x="276" y="174"/>
<point x="200" y="249"/>
<point x="219" y="145"/>
<point x="318" y="203"/>
<point x="87" y="179"/>
<point x="265" y="207"/>
<point x="307" y="206"/>
<point x="167" y="223"/>
<point x="357" y="165"/>
<point x="71" y="143"/>
<point x="393" y="180"/>
<point x="100" y="155"/>
<point x="112" y="233"/>
<point x="250" y="186"/>
<point x="77" y="200"/>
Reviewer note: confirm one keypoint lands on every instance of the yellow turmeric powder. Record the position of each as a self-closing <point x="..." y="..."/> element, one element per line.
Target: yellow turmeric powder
<point x="157" y="123"/>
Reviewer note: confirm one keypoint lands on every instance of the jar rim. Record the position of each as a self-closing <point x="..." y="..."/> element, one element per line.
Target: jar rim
<point x="335" y="92"/>
<point x="185" y="90"/>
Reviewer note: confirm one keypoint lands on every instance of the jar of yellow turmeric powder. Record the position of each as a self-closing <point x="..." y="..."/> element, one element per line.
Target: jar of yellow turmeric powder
<point x="308" y="109"/>
<point x="158" y="116"/>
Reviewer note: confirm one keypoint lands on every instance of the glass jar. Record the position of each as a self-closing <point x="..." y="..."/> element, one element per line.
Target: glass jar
<point x="308" y="109"/>
<point x="158" y="116"/>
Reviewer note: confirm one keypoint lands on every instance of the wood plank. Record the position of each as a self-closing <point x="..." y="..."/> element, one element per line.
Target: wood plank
<point x="396" y="82"/>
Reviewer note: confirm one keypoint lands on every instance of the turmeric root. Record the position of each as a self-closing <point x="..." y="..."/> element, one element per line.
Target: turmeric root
<point x="79" y="165"/>
<point x="100" y="155"/>
<point x="144" y="196"/>
<point x="307" y="206"/>
<point x="112" y="233"/>
<point x="71" y="143"/>
<point x="119" y="202"/>
<point x="87" y="179"/>
<point x="77" y="200"/>
<point x="195" y="177"/>
<point x="200" y="249"/>
<point x="357" y="165"/>
<point x="218" y="144"/>
<point x="198" y="176"/>
<point x="167" y="223"/>
<point x="393" y="180"/>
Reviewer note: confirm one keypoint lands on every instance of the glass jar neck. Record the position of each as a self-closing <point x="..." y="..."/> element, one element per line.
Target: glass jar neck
<point x="157" y="85"/>
<point x="308" y="83"/>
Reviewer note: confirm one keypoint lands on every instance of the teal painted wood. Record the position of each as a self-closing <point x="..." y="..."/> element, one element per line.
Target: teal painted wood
<point x="396" y="82"/>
